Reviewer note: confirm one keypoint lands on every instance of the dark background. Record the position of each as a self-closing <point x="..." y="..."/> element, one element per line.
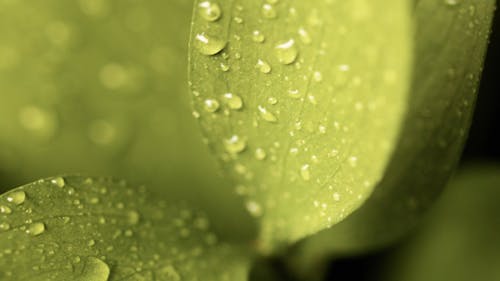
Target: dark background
<point x="483" y="145"/>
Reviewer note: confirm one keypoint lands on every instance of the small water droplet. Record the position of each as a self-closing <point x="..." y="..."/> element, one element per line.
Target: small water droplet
<point x="267" y="115"/>
<point x="258" y="37"/>
<point x="16" y="197"/>
<point x="59" y="182"/>
<point x="272" y="100"/>
<point x="209" y="10"/>
<point x="168" y="272"/>
<point x="304" y="36"/>
<point x="305" y="172"/>
<point x="5" y="210"/>
<point x="260" y="154"/>
<point x="254" y="208"/>
<point x="353" y="161"/>
<point x="235" y="144"/>
<point x="211" y="105"/>
<point x="4" y="226"/>
<point x="268" y="11"/>
<point x="233" y="101"/>
<point x="295" y="94"/>
<point x="286" y="52"/>
<point x="263" y="66"/>
<point x="451" y="2"/>
<point x="208" y="45"/>
<point x="36" y="228"/>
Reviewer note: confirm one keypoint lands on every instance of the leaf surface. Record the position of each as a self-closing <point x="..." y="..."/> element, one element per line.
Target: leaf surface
<point x="87" y="229"/>
<point x="302" y="103"/>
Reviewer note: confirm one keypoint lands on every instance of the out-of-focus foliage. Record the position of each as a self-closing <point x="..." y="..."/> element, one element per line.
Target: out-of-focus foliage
<point x="100" y="87"/>
<point x="459" y="239"/>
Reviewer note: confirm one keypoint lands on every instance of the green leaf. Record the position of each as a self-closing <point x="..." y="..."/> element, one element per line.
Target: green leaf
<point x="77" y="228"/>
<point x="99" y="87"/>
<point x="451" y="42"/>
<point x="302" y="102"/>
<point x="459" y="238"/>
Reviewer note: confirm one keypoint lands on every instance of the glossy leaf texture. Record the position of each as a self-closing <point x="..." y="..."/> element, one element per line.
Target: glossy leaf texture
<point x="88" y="229"/>
<point x="451" y="39"/>
<point x="459" y="239"/>
<point x="302" y="103"/>
<point x="99" y="87"/>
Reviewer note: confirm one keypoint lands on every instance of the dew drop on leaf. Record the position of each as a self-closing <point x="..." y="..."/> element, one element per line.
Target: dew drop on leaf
<point x="95" y="270"/>
<point x="36" y="228"/>
<point x="233" y="101"/>
<point x="286" y="52"/>
<point x="211" y="105"/>
<point x="263" y="66"/>
<point x="235" y="144"/>
<point x="267" y="115"/>
<point x="5" y="210"/>
<point x="59" y="182"/>
<point x="16" y="197"/>
<point x="209" y="10"/>
<point x="268" y="11"/>
<point x="208" y="45"/>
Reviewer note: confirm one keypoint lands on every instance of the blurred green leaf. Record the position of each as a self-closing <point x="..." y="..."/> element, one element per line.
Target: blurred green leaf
<point x="99" y="86"/>
<point x="451" y="39"/>
<point x="302" y="102"/>
<point x="459" y="239"/>
<point x="77" y="228"/>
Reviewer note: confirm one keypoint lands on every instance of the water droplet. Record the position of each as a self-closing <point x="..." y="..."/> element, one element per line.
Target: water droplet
<point x="268" y="11"/>
<point x="317" y="76"/>
<point x="336" y="196"/>
<point x="235" y="144"/>
<point x="36" y="228"/>
<point x="263" y="66"/>
<point x="4" y="226"/>
<point x="94" y="270"/>
<point x="304" y="36"/>
<point x="267" y="115"/>
<point x="16" y="197"/>
<point x="272" y="100"/>
<point x="295" y="94"/>
<point x="258" y="37"/>
<point x="209" y="46"/>
<point x="254" y="208"/>
<point x="260" y="154"/>
<point x="224" y="67"/>
<point x="286" y="52"/>
<point x="211" y="105"/>
<point x="59" y="182"/>
<point x="305" y="172"/>
<point x="209" y="10"/>
<point x="233" y="101"/>
<point x="5" y="210"/>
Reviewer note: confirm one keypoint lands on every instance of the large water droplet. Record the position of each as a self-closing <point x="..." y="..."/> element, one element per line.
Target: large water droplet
<point x="209" y="10"/>
<point x="263" y="66"/>
<point x="4" y="226"/>
<point x="266" y="114"/>
<point x="59" y="181"/>
<point x="16" y="197"/>
<point x="36" y="228"/>
<point x="208" y="45"/>
<point x="268" y="11"/>
<point x="211" y="105"/>
<point x="5" y="210"/>
<point x="95" y="270"/>
<point x="235" y="144"/>
<point x="305" y="172"/>
<point x="257" y="36"/>
<point x="286" y="52"/>
<point x="260" y="154"/>
<point x="233" y="101"/>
